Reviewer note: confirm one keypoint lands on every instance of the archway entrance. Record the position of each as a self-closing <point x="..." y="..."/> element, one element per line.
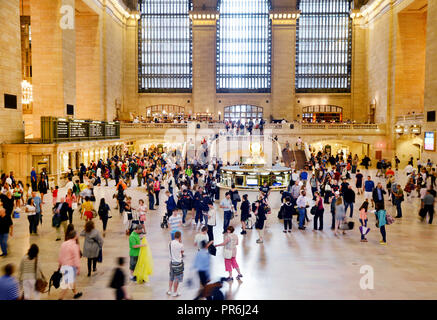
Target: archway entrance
<point x="322" y="113"/>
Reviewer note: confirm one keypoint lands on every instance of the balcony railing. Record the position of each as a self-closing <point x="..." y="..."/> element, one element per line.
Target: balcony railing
<point x="411" y="117"/>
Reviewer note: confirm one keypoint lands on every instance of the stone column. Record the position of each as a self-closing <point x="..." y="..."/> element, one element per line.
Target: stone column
<point x="283" y="64"/>
<point x="53" y="55"/>
<point x="431" y="74"/>
<point x="204" y="62"/>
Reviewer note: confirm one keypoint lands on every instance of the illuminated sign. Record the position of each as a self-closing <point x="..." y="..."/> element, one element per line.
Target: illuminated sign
<point x="429" y="141"/>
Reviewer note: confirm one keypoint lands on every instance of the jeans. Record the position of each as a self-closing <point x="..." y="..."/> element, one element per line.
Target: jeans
<point x="363" y="223"/>
<point x="4" y="242"/>
<point x="105" y="222"/>
<point x="428" y="208"/>
<point x="151" y="201"/>
<point x="383" y="233"/>
<point x="318" y="217"/>
<point x="288" y="223"/>
<point x="398" y="207"/>
<point x="94" y="261"/>
<point x="199" y="216"/>
<point x="70" y="215"/>
<point x="157" y="197"/>
<point x="226" y="220"/>
<point x="313" y="190"/>
<point x="184" y="214"/>
<point x="211" y="233"/>
<point x="205" y="217"/>
<point x="302" y="212"/>
<point x="234" y="203"/>
<point x="347" y="205"/>
<point x="33" y="223"/>
<point x="333" y="220"/>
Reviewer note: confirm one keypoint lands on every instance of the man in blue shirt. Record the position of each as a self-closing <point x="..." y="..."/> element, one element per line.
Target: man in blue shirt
<point x="37" y="201"/>
<point x="202" y="263"/>
<point x="369" y="185"/>
<point x="9" y="289"/>
<point x="304" y="177"/>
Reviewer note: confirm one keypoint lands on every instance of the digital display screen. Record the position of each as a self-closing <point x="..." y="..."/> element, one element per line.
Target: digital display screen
<point x="430" y="141"/>
<point x="251" y="181"/>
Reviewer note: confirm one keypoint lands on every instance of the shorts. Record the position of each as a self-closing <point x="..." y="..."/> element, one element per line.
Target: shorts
<point x="231" y="263"/>
<point x="68" y="277"/>
<point x="88" y="214"/>
<point x="368" y="195"/>
<point x="259" y="224"/>
<point x="173" y="277"/>
<point x="133" y="262"/>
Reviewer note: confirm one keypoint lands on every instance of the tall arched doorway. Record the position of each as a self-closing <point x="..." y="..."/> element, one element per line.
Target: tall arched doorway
<point x="244" y="113"/>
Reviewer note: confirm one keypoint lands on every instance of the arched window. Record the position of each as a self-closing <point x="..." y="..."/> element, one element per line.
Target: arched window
<point x="324" y="46"/>
<point x="165" y="46"/>
<point x="244" y="45"/>
<point x="244" y="113"/>
<point x="322" y="113"/>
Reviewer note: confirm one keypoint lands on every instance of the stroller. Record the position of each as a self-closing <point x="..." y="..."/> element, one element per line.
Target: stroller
<point x="164" y="223"/>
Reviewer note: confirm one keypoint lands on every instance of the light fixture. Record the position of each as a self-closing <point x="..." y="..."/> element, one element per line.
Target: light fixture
<point x="137" y="16"/>
<point x="289" y="15"/>
<point x="276" y="16"/>
<point x="293" y="16"/>
<point x="208" y="16"/>
<point x="280" y="16"/>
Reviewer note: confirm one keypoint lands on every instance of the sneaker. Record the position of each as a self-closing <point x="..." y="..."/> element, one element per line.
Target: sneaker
<point x="259" y="241"/>
<point x="239" y="277"/>
<point x="382" y="242"/>
<point x="285" y="231"/>
<point x="230" y="279"/>
<point x="78" y="295"/>
<point x="176" y="294"/>
<point x="289" y="231"/>
<point x="301" y="228"/>
<point x="58" y="239"/>
<point x="169" y="293"/>
<point x="133" y="279"/>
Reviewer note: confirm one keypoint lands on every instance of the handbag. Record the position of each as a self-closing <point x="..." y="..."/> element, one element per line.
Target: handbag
<point x="281" y="213"/>
<point x="40" y="283"/>
<point x="212" y="250"/>
<point x="313" y="210"/>
<point x="56" y="220"/>
<point x="100" y="257"/>
<point x="74" y="205"/>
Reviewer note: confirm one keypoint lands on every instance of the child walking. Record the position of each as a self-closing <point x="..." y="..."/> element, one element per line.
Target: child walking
<point x="363" y="220"/>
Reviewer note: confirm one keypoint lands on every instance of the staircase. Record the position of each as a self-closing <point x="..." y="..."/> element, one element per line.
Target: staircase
<point x="294" y="155"/>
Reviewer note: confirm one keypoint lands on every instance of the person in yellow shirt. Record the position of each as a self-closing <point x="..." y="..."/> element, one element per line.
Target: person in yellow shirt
<point x="87" y="209"/>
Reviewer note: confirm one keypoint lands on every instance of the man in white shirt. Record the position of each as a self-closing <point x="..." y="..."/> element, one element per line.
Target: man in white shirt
<point x="301" y="203"/>
<point x="69" y="184"/>
<point x="176" y="249"/>
<point x="99" y="172"/>
<point x="226" y="205"/>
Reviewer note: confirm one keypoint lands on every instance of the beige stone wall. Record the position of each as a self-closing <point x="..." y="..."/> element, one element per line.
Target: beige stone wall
<point x="88" y="67"/>
<point x="359" y="96"/>
<point x="410" y="63"/>
<point x="10" y="71"/>
<point x="431" y="72"/>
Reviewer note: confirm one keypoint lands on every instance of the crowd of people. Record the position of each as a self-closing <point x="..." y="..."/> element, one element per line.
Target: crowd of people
<point x="188" y="193"/>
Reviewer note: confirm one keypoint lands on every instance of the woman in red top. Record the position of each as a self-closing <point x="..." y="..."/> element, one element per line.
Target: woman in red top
<point x="318" y="217"/>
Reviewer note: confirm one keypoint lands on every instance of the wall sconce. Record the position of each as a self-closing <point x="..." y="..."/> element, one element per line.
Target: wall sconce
<point x="281" y="17"/>
<point x="355" y="13"/>
<point x="204" y="16"/>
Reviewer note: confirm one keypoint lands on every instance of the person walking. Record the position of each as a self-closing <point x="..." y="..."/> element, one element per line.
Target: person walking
<point x="118" y="281"/>
<point x="230" y="242"/>
<point x="62" y="210"/>
<point x="428" y="206"/>
<point x="301" y="203"/>
<point x="69" y="264"/>
<point x="104" y="213"/>
<point x="349" y="200"/>
<point x="318" y="217"/>
<point x="9" y="287"/>
<point x="378" y="195"/>
<point x="212" y="212"/>
<point x="87" y="209"/>
<point x="260" y="214"/>
<point x="288" y="211"/>
<point x="156" y="190"/>
<point x="202" y="263"/>
<point x="29" y="272"/>
<point x="92" y="246"/>
<point x="32" y="216"/>
<point x="176" y="275"/>
<point x="340" y="214"/>
<point x="245" y="213"/>
<point x="381" y="221"/>
<point x="71" y="199"/>
<point x="398" y="198"/>
<point x="364" y="230"/>
<point x="369" y="185"/>
<point x="6" y="230"/>
<point x="226" y="205"/>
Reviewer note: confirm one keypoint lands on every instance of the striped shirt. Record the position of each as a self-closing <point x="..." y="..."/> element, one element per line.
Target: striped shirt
<point x="175" y="221"/>
<point x="9" y="289"/>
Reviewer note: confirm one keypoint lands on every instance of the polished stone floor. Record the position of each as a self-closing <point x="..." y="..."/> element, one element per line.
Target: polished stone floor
<point x="299" y="265"/>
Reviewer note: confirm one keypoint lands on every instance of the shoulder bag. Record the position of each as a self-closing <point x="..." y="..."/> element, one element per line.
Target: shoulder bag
<point x="40" y="283"/>
<point x="176" y="267"/>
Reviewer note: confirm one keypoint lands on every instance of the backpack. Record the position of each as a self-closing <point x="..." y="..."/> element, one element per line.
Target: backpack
<point x="55" y="279"/>
<point x="74" y="188"/>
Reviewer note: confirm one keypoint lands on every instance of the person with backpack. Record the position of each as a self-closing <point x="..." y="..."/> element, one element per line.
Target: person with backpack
<point x="235" y="197"/>
<point x="156" y="190"/>
<point x="29" y="272"/>
<point x="118" y="281"/>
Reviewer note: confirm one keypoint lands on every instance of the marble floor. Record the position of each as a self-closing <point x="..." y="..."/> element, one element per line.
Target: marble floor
<point x="299" y="265"/>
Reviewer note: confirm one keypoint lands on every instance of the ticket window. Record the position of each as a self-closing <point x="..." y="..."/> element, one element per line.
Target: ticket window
<point x="251" y="181"/>
<point x="239" y="180"/>
<point x="227" y="179"/>
<point x="279" y="181"/>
